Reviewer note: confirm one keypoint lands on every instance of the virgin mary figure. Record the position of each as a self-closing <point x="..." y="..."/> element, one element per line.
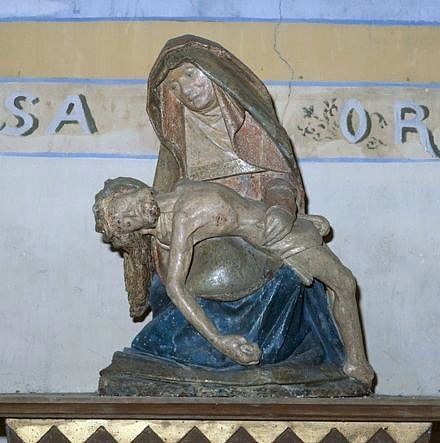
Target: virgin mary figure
<point x="216" y="122"/>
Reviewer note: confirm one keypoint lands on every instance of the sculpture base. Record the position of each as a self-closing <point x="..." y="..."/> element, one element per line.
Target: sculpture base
<point x="144" y="375"/>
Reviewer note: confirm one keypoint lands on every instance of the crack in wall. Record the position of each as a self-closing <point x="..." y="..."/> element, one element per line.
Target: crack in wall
<point x="276" y="32"/>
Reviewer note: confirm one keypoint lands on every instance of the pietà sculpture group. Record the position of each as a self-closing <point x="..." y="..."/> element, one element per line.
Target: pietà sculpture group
<point x="247" y="298"/>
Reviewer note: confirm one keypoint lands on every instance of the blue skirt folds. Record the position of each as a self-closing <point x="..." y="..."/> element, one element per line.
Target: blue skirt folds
<point x="289" y="321"/>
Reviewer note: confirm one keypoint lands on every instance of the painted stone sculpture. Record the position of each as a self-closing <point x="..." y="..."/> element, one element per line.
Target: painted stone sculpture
<point x="246" y="297"/>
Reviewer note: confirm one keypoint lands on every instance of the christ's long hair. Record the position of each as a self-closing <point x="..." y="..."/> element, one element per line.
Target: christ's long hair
<point x="135" y="247"/>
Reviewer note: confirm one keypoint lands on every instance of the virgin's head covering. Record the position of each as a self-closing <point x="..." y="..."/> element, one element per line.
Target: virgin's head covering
<point x="230" y="76"/>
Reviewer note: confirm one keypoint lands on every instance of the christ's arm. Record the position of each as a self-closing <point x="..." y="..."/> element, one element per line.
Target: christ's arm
<point x="180" y="255"/>
<point x="181" y="249"/>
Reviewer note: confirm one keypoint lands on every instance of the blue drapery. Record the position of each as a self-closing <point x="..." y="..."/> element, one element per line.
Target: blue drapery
<point x="290" y="322"/>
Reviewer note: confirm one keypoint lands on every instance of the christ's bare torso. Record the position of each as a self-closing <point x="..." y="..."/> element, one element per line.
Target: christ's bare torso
<point x="206" y="210"/>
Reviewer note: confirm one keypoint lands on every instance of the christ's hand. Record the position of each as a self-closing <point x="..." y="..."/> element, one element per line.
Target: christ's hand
<point x="237" y="348"/>
<point x="279" y="223"/>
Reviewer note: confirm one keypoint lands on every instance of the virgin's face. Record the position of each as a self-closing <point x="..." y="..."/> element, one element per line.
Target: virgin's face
<point x="192" y="87"/>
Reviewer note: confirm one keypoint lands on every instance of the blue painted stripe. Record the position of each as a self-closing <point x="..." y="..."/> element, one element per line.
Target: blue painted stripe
<point x="366" y="160"/>
<point x="223" y="10"/>
<point x="295" y="83"/>
<point x="75" y="80"/>
<point x="52" y="154"/>
<point x="352" y="84"/>
<point x="99" y="155"/>
<point x="330" y="21"/>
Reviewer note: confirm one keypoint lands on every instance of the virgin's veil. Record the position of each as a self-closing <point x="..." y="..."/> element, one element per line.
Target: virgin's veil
<point x="241" y="90"/>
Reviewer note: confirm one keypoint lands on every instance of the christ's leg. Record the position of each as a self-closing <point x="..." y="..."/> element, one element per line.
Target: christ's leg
<point x="326" y="267"/>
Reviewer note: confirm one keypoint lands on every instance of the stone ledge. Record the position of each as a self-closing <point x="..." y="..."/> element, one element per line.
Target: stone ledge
<point x="373" y="408"/>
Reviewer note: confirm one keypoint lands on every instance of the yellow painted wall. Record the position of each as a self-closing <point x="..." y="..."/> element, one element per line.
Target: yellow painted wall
<point x="317" y="52"/>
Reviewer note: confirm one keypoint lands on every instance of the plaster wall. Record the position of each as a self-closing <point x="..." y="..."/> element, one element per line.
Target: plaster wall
<point x="64" y="310"/>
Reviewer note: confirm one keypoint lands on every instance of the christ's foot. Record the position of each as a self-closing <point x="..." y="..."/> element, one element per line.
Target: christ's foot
<point x="361" y="371"/>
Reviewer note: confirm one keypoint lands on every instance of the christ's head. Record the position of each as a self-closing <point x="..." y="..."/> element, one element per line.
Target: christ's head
<point x="122" y="207"/>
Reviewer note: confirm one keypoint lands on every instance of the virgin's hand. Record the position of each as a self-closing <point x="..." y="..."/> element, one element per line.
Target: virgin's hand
<point x="279" y="223"/>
